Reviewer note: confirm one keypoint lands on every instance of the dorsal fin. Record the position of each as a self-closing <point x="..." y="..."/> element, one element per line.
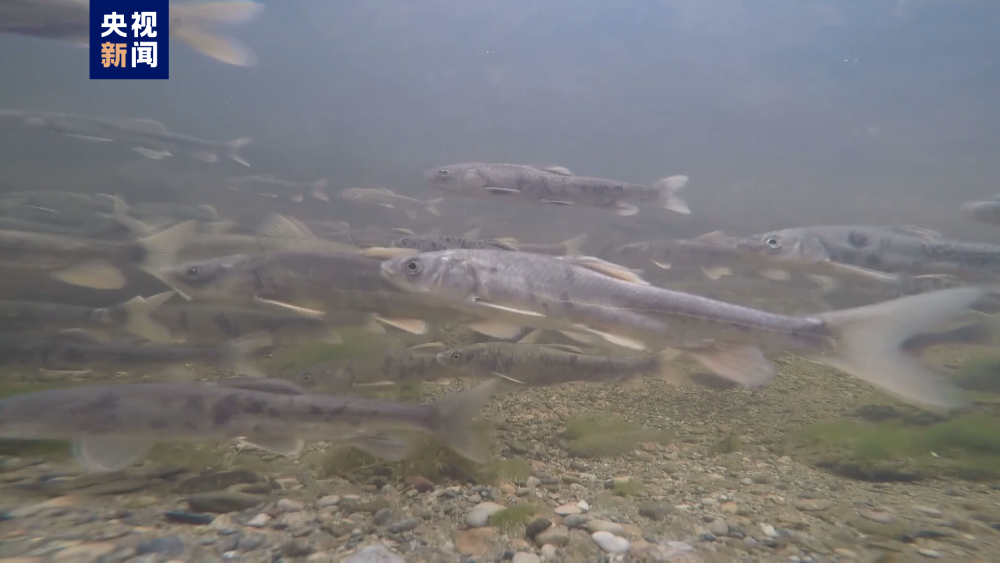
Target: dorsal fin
<point x="606" y="268"/>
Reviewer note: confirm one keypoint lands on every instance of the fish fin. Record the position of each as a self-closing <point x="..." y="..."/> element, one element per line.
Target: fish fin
<point x="95" y="275"/>
<point x="234" y="353"/>
<point x="454" y="415"/>
<point x="618" y="340"/>
<point x="432" y="206"/>
<point x="297" y="198"/>
<point x="714" y="237"/>
<point x="745" y="365"/>
<point x="288" y="307"/>
<point x="497" y="190"/>
<point x="263" y="385"/>
<point x="826" y="283"/>
<point x="495" y="329"/>
<point x="507" y="378"/>
<point x="206" y="156"/>
<point x="153" y="302"/>
<point x="374" y="326"/>
<point x="218" y="47"/>
<point x="283" y="445"/>
<point x="572" y="246"/>
<point x="661" y="265"/>
<point x="89" y="138"/>
<point x="402" y="231"/>
<point x="233" y="149"/>
<point x="386" y="252"/>
<point x="556" y="202"/>
<point x="560" y="170"/>
<point x="413" y="326"/>
<point x="863" y="273"/>
<point x="150" y="153"/>
<point x="139" y="322"/>
<point x="668" y="188"/>
<point x="604" y="267"/>
<point x="504" y="308"/>
<point x="588" y="339"/>
<point x="716" y="272"/>
<point x="120" y="213"/>
<point x="383" y="445"/>
<point x="531" y="338"/>
<point x="623" y="209"/>
<point x="426" y="346"/>
<point x="101" y="454"/>
<point x="411" y="213"/>
<point x="869" y="341"/>
<point x="563" y="347"/>
<point x="775" y="275"/>
<point x="277" y="225"/>
<point x="162" y="249"/>
<point x="218" y="227"/>
<point x="303" y="229"/>
<point x="317" y="189"/>
<point x="473" y="234"/>
<point x="512" y="240"/>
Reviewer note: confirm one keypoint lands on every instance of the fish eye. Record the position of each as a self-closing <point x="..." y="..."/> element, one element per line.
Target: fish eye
<point x="456" y="355"/>
<point x="772" y="243"/>
<point x="404" y="243"/>
<point x="444" y="173"/>
<point x="307" y="377"/>
<point x="193" y="271"/>
<point x="413" y="267"/>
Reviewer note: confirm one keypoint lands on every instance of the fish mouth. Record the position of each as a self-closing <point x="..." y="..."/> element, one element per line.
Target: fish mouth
<point x="747" y="248"/>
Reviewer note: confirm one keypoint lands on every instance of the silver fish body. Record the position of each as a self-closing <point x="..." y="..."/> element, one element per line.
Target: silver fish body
<point x="390" y="199"/>
<point x="428" y="243"/>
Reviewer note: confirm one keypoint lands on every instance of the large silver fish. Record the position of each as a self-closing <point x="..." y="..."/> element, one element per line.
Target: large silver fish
<point x="555" y="185"/>
<point x="190" y="22"/>
<point x="577" y="295"/>
<point x="113" y="426"/>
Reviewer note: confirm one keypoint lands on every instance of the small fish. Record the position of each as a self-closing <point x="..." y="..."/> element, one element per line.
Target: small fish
<point x="714" y="254"/>
<point x="569" y="247"/>
<point x="390" y="199"/>
<point x="549" y="364"/>
<point x="294" y="190"/>
<point x="113" y="426"/>
<point x="132" y="316"/>
<point x="412" y="364"/>
<point x="69" y="21"/>
<point x="412" y="244"/>
<point x="148" y="137"/>
<point x="518" y="289"/>
<point x="554" y="185"/>
<point x="213" y="323"/>
<point x="987" y="210"/>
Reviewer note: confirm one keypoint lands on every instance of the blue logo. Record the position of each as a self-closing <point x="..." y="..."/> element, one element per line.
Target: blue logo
<point x="129" y="39"/>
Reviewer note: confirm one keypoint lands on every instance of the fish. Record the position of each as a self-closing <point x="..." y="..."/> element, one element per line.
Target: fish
<point x="411" y="364"/>
<point x="388" y="198"/>
<point x="522" y="289"/>
<point x="113" y="426"/>
<point x="75" y="350"/>
<point x="551" y="364"/>
<point x="569" y="247"/>
<point x="714" y="254"/>
<point x="883" y="255"/>
<point x="148" y="137"/>
<point x="339" y="288"/>
<point x="190" y="22"/>
<point x="132" y="316"/>
<point x="294" y="190"/>
<point x="412" y="244"/>
<point x="213" y="323"/>
<point x="92" y="263"/>
<point x="987" y="210"/>
<point x="554" y="185"/>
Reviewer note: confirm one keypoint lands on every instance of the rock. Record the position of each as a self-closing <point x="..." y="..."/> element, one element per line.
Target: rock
<point x="375" y="553"/>
<point x="567" y="509"/>
<point x="768" y="530"/>
<point x="762" y="478"/>
<point x="556" y="535"/>
<point x="933" y="554"/>
<point x="222" y="502"/>
<point x="404" y="525"/>
<point x="813" y="504"/>
<point x="719" y="527"/>
<point x="532" y="482"/>
<point x="382" y="517"/>
<point x="575" y="520"/>
<point x="297" y="548"/>
<point x="880" y="516"/>
<point x="549" y="552"/>
<point x="605" y="526"/>
<point x="583" y="506"/>
<point x="525" y="557"/>
<point x="928" y="510"/>
<point x="536" y="527"/>
<point x="84" y="552"/>
<point x="185" y="517"/>
<point x="420" y="483"/>
<point x="475" y="542"/>
<point x="654" y="510"/>
<point x="167" y="545"/>
<point x="610" y="543"/>
<point x="289" y="505"/>
<point x="259" y="521"/>
<point x="479" y="516"/>
<point x="208" y="482"/>
<point x="327" y="501"/>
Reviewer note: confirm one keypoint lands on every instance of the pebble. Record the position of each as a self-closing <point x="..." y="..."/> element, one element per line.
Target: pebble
<point x="768" y="530"/>
<point x="556" y="535"/>
<point x="168" y="545"/>
<point x="404" y="525"/>
<point x="880" y="516"/>
<point x="604" y="526"/>
<point x="813" y="504"/>
<point x="536" y="527"/>
<point x="222" y="502"/>
<point x="382" y="517"/>
<point x="549" y="552"/>
<point x="479" y="516"/>
<point x="762" y="478"/>
<point x="575" y="520"/>
<point x="525" y="557"/>
<point x="289" y="505"/>
<point x="259" y="521"/>
<point x="567" y="509"/>
<point x="931" y="553"/>
<point x="719" y="527"/>
<point x="185" y="517"/>
<point x="654" y="510"/>
<point x="930" y="511"/>
<point x="327" y="501"/>
<point x="297" y="548"/>
<point x="375" y="553"/>
<point x="610" y="543"/>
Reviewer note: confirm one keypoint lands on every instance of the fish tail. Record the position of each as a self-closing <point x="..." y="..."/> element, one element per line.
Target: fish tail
<point x="95" y="275"/>
<point x="233" y="149"/>
<point x="574" y="244"/>
<point x="188" y="22"/>
<point x="138" y="320"/>
<point x="318" y="189"/>
<point x="234" y="353"/>
<point x="162" y="249"/>
<point x="432" y="206"/>
<point x="453" y="416"/>
<point x="870" y="340"/>
<point x="668" y="188"/>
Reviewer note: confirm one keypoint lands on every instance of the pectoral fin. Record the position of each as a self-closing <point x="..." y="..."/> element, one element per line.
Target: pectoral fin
<point x="716" y="273"/>
<point x="496" y="190"/>
<point x="288" y="307"/>
<point x="504" y="308"/>
<point x="277" y="444"/>
<point x="775" y="275"/>
<point x="745" y="365"/>
<point x="109" y="453"/>
<point x="626" y="209"/>
<point x="503" y="331"/>
<point x="556" y="202"/>
<point x="390" y="447"/>
<point x="606" y="268"/>
<point x="413" y="326"/>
